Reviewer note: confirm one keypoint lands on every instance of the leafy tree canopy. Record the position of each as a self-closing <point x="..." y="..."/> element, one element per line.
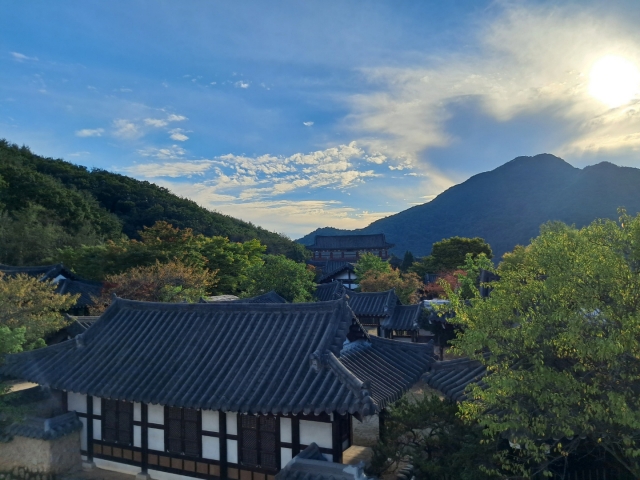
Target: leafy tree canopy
<point x="450" y="254"/>
<point x="407" y="261"/>
<point x="559" y="337"/>
<point x="291" y="280"/>
<point x="164" y="243"/>
<point x="406" y="285"/>
<point x="370" y="262"/>
<point x="161" y="282"/>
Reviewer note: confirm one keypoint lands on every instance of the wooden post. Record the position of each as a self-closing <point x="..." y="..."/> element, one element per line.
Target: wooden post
<point x="89" y="428"/>
<point x="223" y="445"/>
<point x="144" y="436"/>
<point x="336" y="439"/>
<point x="295" y="434"/>
<point x="381" y="418"/>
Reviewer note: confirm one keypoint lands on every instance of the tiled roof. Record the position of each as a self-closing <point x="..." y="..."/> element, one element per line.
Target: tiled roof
<point x="404" y="317"/>
<point x="350" y="242"/>
<point x="373" y="304"/>
<point x="310" y="464"/>
<point x="79" y="324"/>
<point x="451" y="377"/>
<point x="46" y="428"/>
<point x="269" y="297"/>
<point x="85" y="288"/>
<point x="334" y="267"/>
<point x="329" y="291"/>
<point x="43" y="272"/>
<point x="247" y="358"/>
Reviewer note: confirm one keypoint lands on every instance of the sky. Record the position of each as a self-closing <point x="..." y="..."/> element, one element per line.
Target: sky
<point x="298" y="115"/>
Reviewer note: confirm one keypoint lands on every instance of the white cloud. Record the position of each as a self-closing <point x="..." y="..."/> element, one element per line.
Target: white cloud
<point x="529" y="60"/>
<point x="168" y="153"/>
<point x="241" y="84"/>
<point x="155" y="122"/>
<point x="169" y="169"/>
<point x="88" y="132"/>
<point x="176" y="118"/>
<point x="20" y="57"/>
<point x="307" y="124"/>
<point x="176" y="134"/>
<point x="126" y="129"/>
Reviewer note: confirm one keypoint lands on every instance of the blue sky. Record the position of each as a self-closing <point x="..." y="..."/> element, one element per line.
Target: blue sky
<point x="296" y="115"/>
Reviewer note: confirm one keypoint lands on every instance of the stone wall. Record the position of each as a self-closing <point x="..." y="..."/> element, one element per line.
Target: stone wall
<point x="33" y="459"/>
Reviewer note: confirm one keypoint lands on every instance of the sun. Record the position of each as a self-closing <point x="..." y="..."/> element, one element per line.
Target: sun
<point x="614" y="80"/>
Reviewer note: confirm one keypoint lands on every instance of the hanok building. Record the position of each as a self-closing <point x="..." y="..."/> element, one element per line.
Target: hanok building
<point x="66" y="282"/>
<point x="372" y="308"/>
<point x="340" y="272"/>
<point x="349" y="247"/>
<point x="222" y="390"/>
<point x="403" y="324"/>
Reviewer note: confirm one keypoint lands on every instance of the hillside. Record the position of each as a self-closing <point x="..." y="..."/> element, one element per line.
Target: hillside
<point x="506" y="206"/>
<point x="104" y="204"/>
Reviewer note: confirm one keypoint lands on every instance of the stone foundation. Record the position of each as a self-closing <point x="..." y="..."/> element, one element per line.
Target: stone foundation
<point x="33" y="459"/>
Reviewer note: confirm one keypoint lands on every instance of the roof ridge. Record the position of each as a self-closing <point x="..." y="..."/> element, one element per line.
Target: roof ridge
<point x="360" y="389"/>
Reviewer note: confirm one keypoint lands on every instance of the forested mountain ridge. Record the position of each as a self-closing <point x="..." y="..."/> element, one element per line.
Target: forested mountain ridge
<point x="89" y="204"/>
<point x="507" y="205"/>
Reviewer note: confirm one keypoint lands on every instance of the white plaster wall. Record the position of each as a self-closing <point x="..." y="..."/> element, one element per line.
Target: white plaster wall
<point x="155" y="414"/>
<point x="232" y="451"/>
<point x="158" y="475"/>
<point x="97" y="406"/>
<point x="137" y="412"/>
<point x="156" y="439"/>
<point x="232" y="423"/>
<point x="116" y="467"/>
<point x="83" y="434"/>
<point x="210" y="421"/>
<point x="211" y="448"/>
<point x="97" y="429"/>
<point x="316" y="432"/>
<point x="137" y="436"/>
<point x="286" y="454"/>
<point x="76" y="402"/>
<point x="285" y="431"/>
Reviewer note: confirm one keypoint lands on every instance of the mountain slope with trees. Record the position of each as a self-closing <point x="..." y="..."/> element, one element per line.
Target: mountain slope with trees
<point x="506" y="206"/>
<point x="70" y="203"/>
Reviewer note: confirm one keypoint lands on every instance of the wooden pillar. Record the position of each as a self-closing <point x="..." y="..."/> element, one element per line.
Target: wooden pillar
<point x="336" y="437"/>
<point x="89" y="428"/>
<point x="295" y="434"/>
<point x="381" y="420"/>
<point x="223" y="445"/>
<point x="144" y="436"/>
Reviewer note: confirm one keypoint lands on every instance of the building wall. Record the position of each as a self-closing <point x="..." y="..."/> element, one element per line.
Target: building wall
<point x="219" y="442"/>
<point x="41" y="456"/>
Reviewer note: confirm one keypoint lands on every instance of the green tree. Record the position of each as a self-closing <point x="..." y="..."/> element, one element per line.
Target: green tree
<point x="559" y="337"/>
<point x="429" y="433"/>
<point x="291" y="280"/>
<point x="370" y="262"/>
<point x="164" y="243"/>
<point x="450" y="254"/>
<point x="407" y="261"/>
<point x="406" y="285"/>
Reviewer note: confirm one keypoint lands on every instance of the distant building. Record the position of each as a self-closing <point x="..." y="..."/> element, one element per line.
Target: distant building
<point x="338" y="271"/>
<point x="349" y="247"/>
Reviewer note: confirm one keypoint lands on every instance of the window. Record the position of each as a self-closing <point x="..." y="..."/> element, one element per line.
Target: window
<point x="182" y="431"/>
<point x="258" y="441"/>
<point x="117" y="423"/>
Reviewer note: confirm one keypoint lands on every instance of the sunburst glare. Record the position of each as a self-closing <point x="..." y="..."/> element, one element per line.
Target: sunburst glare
<point x="614" y="80"/>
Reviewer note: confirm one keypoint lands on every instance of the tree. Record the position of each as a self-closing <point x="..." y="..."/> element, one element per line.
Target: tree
<point x="429" y="433"/>
<point x="31" y="307"/>
<point x="161" y="282"/>
<point x="163" y="243"/>
<point x="407" y="261"/>
<point x="406" y="285"/>
<point x="450" y="254"/>
<point x="559" y="338"/>
<point x="370" y="262"/>
<point x="291" y="280"/>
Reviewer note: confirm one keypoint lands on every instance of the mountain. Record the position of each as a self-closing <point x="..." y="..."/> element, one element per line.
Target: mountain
<point x="80" y="200"/>
<point x="506" y="206"/>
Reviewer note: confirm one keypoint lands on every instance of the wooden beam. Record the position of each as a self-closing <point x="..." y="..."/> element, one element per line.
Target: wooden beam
<point x="222" y="417"/>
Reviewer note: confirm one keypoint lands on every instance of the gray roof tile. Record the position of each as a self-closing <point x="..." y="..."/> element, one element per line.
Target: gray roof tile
<point x="404" y="317"/>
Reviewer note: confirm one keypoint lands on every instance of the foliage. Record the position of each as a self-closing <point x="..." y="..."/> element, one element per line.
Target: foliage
<point x="428" y="433"/>
<point x="291" y="280"/>
<point x="31" y="307"/>
<point x="164" y="243"/>
<point x="450" y="254"/>
<point x="161" y="282"/>
<point x="407" y="261"/>
<point x="370" y="262"/>
<point x="107" y="203"/>
<point x="559" y="332"/>
<point x="436" y="289"/>
<point x="406" y="285"/>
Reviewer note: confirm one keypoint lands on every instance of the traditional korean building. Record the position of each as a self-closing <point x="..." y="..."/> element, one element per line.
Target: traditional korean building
<point x="403" y="322"/>
<point x="339" y="271"/>
<point x="222" y="390"/>
<point x="349" y="247"/>
<point x="330" y="291"/>
<point x="66" y="282"/>
<point x="372" y="308"/>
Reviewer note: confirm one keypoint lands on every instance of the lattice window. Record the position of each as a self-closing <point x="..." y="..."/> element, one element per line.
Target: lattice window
<point x="182" y="431"/>
<point x="117" y="423"/>
<point x="258" y="441"/>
